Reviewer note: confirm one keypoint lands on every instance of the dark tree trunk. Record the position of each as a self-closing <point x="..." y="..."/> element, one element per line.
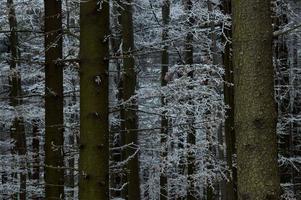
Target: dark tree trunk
<point x="130" y="114"/>
<point x="94" y="100"/>
<point x="231" y="189"/>
<point x="17" y="129"/>
<point x="54" y="119"/>
<point x="164" y="119"/>
<point x="36" y="156"/>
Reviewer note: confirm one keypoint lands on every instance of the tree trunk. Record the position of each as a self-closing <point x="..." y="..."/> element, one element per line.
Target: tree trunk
<point x="191" y="130"/>
<point x="17" y="129"/>
<point x="36" y="157"/>
<point x="281" y="54"/>
<point x="231" y="193"/>
<point x="213" y="192"/>
<point x="255" y="113"/>
<point x="164" y="120"/>
<point x="54" y="120"/>
<point x="129" y="87"/>
<point x="117" y="176"/>
<point x="94" y="100"/>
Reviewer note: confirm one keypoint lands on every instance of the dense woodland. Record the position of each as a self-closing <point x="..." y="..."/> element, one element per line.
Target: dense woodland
<point x="150" y="99"/>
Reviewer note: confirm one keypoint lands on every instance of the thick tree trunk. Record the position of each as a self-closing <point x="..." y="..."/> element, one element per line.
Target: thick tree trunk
<point x="255" y="112"/>
<point x="164" y="119"/>
<point x="94" y="100"/>
<point x="130" y="114"/>
<point x="54" y="120"/>
<point x="231" y="193"/>
<point x="17" y="129"/>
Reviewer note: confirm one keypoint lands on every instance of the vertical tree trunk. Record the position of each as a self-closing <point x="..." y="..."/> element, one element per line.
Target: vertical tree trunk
<point x="231" y="193"/>
<point x="129" y="87"/>
<point x="164" y="119"/>
<point x="117" y="131"/>
<point x="283" y="78"/>
<point x="255" y="113"/>
<point x="36" y="156"/>
<point x="191" y="130"/>
<point x="17" y="129"/>
<point x="54" y="120"/>
<point x="213" y="193"/>
<point x="94" y="100"/>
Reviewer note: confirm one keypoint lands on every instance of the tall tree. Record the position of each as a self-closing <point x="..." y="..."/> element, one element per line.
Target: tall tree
<point x="130" y="113"/>
<point x="255" y="113"/>
<point x="117" y="133"/>
<point x="94" y="101"/>
<point x="54" y="119"/>
<point x="212" y="192"/>
<point x="36" y="156"/>
<point x="164" y="119"/>
<point x="17" y="129"/>
<point x="229" y="100"/>
<point x="191" y="139"/>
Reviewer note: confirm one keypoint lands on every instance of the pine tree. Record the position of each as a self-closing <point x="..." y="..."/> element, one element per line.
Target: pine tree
<point x="255" y="114"/>
<point x="129" y="87"/>
<point x="229" y="100"/>
<point x="94" y="101"/>
<point x="54" y="119"/>
<point x="17" y="129"/>
<point x="191" y="139"/>
<point x="164" y="119"/>
<point x="36" y="155"/>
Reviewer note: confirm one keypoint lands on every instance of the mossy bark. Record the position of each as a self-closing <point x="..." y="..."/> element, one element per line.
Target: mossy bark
<point x="94" y="101"/>
<point x="255" y="112"/>
<point x="130" y="112"/>
<point x="54" y="120"/>
<point x="164" y="119"/>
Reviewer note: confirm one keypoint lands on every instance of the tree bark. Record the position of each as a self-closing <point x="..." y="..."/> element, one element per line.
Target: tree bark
<point x="231" y="189"/>
<point x="255" y="113"/>
<point x="94" y="100"/>
<point x="36" y="156"/>
<point x="130" y="114"/>
<point x="17" y="129"/>
<point x="164" y="120"/>
<point x="54" y="119"/>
